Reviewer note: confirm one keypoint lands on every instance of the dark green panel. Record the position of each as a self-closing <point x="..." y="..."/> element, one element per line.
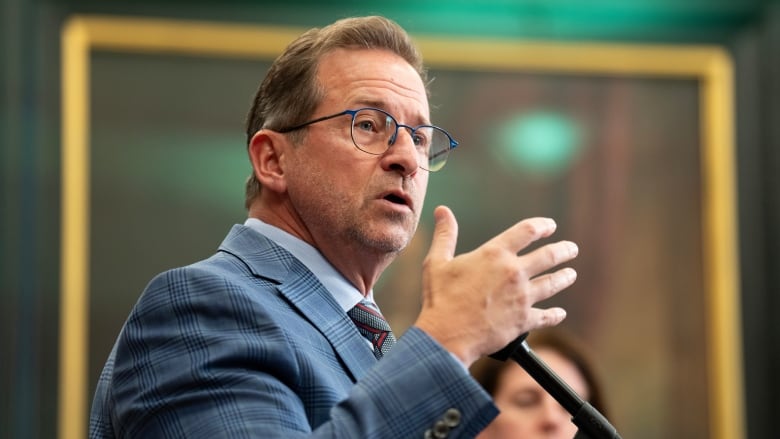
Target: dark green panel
<point x="168" y="168"/>
<point x="641" y="20"/>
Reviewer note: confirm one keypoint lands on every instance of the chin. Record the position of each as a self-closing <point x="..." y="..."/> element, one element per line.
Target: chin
<point x="390" y="246"/>
<point x="386" y="238"/>
<point x="387" y="243"/>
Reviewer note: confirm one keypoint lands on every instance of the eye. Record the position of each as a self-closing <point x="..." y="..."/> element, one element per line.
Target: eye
<point x="370" y="121"/>
<point x="422" y="138"/>
<point x="525" y="399"/>
<point x="365" y="125"/>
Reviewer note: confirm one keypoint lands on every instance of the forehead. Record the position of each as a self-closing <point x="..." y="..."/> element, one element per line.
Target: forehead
<point x="566" y="369"/>
<point x="372" y="76"/>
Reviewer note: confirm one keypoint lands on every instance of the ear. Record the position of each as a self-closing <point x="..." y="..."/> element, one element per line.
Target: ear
<point x="266" y="152"/>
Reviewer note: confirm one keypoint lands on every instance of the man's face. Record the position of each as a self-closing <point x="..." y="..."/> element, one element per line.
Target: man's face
<point x="346" y="197"/>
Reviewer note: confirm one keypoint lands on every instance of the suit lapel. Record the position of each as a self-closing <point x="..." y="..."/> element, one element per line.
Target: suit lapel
<point x="313" y="301"/>
<point x="304" y="291"/>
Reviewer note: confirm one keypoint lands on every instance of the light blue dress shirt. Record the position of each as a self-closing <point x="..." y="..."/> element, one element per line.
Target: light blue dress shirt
<point x="346" y="295"/>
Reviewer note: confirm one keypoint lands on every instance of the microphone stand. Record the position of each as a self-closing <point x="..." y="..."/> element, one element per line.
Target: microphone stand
<point x="591" y="423"/>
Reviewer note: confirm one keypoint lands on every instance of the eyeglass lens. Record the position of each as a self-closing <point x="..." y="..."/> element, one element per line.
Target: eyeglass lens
<point x="374" y="131"/>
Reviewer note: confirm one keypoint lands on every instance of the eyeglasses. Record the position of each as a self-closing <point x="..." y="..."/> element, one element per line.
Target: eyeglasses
<point x="374" y="131"/>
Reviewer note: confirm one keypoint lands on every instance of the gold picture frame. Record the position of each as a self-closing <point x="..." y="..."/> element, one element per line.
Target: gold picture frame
<point x="711" y="66"/>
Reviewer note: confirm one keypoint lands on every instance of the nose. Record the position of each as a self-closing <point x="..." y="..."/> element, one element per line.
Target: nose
<point x="402" y="155"/>
<point x="552" y="415"/>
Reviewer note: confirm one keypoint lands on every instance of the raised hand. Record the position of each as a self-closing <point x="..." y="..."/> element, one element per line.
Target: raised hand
<point x="476" y="303"/>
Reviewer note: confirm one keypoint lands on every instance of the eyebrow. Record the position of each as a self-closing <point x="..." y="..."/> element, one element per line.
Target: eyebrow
<point x="372" y="103"/>
<point x="382" y="105"/>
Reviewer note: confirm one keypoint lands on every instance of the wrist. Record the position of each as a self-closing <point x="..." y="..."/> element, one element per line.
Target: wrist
<point x="448" y="341"/>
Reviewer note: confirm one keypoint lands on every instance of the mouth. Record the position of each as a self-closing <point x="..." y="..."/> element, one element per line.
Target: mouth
<point x="398" y="198"/>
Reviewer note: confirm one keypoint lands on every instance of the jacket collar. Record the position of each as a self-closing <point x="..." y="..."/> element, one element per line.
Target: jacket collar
<point x="302" y="289"/>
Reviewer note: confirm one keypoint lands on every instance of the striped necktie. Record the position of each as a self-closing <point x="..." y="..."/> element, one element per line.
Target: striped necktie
<point x="372" y="326"/>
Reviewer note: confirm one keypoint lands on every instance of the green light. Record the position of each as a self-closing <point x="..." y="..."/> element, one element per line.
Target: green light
<point x="542" y="143"/>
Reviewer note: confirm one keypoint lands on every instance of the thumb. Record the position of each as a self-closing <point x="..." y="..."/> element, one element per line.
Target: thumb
<point x="445" y="234"/>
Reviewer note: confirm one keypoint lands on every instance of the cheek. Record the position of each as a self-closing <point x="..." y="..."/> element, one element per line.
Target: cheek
<point x="420" y="186"/>
<point x="326" y="193"/>
<point x="511" y="424"/>
<point x="308" y="182"/>
<point x="513" y="413"/>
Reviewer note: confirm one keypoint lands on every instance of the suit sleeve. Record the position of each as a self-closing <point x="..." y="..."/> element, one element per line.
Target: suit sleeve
<point x="199" y="357"/>
<point x="417" y="389"/>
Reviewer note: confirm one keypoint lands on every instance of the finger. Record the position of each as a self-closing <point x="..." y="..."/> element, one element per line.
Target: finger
<point x="445" y="235"/>
<point x="547" y="285"/>
<point x="547" y="257"/>
<point x="543" y="318"/>
<point x="520" y="235"/>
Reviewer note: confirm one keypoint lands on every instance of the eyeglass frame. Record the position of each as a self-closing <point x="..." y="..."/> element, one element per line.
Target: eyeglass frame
<point x="391" y="141"/>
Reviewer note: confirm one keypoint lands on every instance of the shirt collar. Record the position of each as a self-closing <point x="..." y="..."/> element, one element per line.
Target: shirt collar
<point x="345" y="294"/>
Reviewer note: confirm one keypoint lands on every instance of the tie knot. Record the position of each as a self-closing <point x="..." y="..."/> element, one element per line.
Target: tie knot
<point x="372" y="326"/>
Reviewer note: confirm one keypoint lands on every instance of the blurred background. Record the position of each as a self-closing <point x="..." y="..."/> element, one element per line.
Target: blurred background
<point x="615" y="159"/>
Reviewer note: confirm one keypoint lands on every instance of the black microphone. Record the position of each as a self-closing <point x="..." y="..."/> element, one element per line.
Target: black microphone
<point x="591" y="423"/>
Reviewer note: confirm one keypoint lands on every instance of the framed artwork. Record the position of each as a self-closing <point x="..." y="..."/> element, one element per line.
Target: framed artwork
<point x="629" y="147"/>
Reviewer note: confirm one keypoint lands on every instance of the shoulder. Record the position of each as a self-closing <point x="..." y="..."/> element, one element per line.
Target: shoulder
<point x="190" y="316"/>
<point x="221" y="285"/>
<point x="246" y="262"/>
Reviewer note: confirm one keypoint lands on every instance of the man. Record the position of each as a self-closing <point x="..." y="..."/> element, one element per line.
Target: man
<point x="259" y="340"/>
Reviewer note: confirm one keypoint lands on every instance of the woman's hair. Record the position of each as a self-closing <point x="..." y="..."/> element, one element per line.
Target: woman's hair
<point x="487" y="370"/>
<point x="289" y="94"/>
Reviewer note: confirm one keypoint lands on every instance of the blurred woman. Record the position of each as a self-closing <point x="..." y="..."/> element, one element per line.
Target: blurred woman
<point x="527" y="410"/>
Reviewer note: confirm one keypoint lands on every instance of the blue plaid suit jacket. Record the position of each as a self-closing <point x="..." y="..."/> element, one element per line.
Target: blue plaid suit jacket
<point x="248" y="343"/>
